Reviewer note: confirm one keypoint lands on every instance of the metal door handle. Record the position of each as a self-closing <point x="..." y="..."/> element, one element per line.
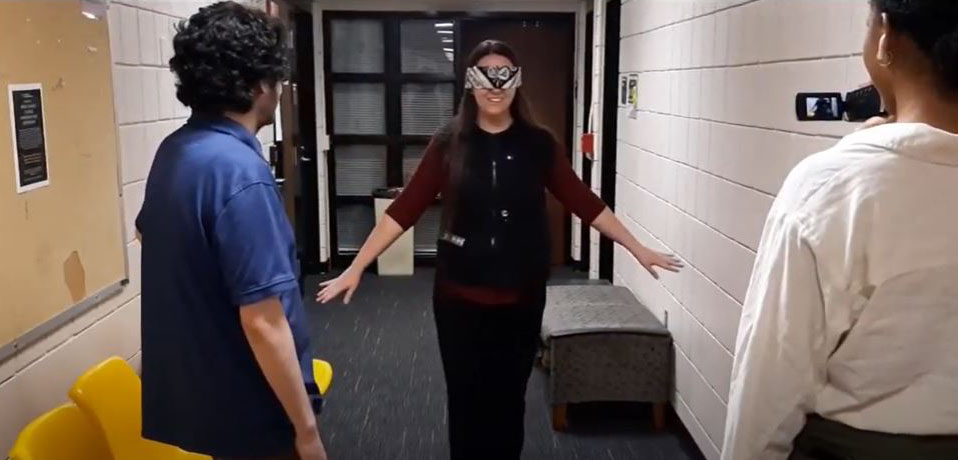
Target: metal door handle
<point x="302" y="154"/>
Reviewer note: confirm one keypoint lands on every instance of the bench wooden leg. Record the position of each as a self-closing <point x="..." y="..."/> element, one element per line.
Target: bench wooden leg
<point x="658" y="416"/>
<point x="560" y="417"/>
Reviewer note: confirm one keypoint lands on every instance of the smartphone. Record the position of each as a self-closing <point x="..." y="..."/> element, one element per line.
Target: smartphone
<point x="819" y="107"/>
<point x="863" y="103"/>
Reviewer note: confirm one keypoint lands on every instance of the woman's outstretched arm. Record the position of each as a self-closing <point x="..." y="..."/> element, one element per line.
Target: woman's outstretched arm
<point x="402" y="214"/>
<point x="610" y="226"/>
<point x="577" y="198"/>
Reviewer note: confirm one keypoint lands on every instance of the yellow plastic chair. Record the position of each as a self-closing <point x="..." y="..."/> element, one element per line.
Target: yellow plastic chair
<point x="323" y="373"/>
<point x="64" y="432"/>
<point x="109" y="395"/>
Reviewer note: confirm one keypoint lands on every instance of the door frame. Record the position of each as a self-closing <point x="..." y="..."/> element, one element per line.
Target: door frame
<point x="565" y="22"/>
<point x="610" y="124"/>
<point x="308" y="154"/>
<point x="294" y="157"/>
<point x="585" y="234"/>
<point x="393" y="108"/>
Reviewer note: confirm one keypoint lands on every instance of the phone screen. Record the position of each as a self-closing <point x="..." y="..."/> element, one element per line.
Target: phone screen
<point x="819" y="107"/>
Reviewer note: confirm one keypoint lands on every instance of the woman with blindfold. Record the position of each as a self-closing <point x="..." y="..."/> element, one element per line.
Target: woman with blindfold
<point x="492" y="165"/>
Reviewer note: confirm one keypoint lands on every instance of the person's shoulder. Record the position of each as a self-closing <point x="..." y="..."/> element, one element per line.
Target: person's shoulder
<point x="204" y="151"/>
<point x="229" y="164"/>
<point x="840" y="174"/>
<point x="816" y="172"/>
<point x="241" y="170"/>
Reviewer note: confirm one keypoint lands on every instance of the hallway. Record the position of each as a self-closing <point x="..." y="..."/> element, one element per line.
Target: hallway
<point x="679" y="115"/>
<point x="388" y="400"/>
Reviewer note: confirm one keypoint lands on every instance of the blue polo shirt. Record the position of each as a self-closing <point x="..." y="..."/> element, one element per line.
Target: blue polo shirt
<point x="215" y="237"/>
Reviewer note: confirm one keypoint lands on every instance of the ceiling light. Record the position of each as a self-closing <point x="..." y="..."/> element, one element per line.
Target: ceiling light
<point x="443" y="24"/>
<point x="94" y="9"/>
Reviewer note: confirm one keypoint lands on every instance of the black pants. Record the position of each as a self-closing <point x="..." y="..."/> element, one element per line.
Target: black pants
<point x="823" y="439"/>
<point x="487" y="355"/>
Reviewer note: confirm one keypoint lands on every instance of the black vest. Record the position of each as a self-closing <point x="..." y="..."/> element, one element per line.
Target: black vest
<point x="499" y="235"/>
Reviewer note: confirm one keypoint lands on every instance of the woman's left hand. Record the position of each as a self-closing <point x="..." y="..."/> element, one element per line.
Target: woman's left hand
<point x="651" y="259"/>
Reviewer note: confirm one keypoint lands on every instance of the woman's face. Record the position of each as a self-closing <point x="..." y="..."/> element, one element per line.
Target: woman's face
<point x="879" y="58"/>
<point x="494" y="102"/>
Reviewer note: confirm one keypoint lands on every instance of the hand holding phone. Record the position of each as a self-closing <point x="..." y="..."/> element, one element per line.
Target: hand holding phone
<point x="863" y="104"/>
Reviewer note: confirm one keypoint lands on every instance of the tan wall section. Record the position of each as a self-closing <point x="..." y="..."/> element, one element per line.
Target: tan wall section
<point x="60" y="243"/>
<point x="37" y="379"/>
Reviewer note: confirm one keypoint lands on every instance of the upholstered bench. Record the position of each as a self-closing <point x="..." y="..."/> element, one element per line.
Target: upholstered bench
<point x="601" y="344"/>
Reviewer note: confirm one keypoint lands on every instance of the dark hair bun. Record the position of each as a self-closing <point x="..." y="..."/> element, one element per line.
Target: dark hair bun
<point x="945" y="56"/>
<point x="933" y="25"/>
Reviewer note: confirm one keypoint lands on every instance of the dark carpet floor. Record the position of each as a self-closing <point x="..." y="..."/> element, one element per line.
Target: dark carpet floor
<point x="387" y="400"/>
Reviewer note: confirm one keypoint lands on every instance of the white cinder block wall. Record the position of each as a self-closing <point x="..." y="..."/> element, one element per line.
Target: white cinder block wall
<point x="701" y="159"/>
<point x="38" y="378"/>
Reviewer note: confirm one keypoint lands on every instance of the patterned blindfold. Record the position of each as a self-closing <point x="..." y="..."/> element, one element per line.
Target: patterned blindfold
<point x="499" y="77"/>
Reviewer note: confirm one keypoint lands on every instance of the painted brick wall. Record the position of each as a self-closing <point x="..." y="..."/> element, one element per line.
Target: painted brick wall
<point x="702" y="158"/>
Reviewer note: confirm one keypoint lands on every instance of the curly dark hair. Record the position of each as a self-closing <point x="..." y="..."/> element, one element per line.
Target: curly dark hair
<point x="222" y="53"/>
<point x="933" y="25"/>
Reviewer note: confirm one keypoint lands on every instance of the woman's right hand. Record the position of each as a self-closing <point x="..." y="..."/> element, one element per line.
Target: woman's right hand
<point x="346" y="283"/>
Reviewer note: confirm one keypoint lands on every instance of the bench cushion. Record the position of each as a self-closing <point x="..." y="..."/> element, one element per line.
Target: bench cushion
<point x="572" y="310"/>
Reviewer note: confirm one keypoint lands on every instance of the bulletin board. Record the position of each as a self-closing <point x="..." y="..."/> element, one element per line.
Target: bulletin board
<point x="61" y="232"/>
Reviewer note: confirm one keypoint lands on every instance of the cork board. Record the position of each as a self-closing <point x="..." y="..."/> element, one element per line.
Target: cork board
<point x="61" y="241"/>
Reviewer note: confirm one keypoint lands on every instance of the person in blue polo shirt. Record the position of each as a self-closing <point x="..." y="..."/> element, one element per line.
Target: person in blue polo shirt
<point x="226" y="363"/>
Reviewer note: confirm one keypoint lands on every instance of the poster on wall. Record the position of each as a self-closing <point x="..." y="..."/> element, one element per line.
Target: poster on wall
<point x="29" y="137"/>
<point x="623" y="91"/>
<point x="633" y="94"/>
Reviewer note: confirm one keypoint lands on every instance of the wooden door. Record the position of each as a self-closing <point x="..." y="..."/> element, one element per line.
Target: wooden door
<point x="545" y="45"/>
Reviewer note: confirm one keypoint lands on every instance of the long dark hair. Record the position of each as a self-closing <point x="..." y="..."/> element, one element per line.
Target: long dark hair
<point x="455" y="137"/>
<point x="933" y="25"/>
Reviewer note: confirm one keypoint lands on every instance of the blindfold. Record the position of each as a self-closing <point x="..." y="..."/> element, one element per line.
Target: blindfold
<point x="499" y="77"/>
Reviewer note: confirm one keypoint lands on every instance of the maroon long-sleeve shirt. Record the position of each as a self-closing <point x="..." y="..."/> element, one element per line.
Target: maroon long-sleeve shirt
<point x="431" y="179"/>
